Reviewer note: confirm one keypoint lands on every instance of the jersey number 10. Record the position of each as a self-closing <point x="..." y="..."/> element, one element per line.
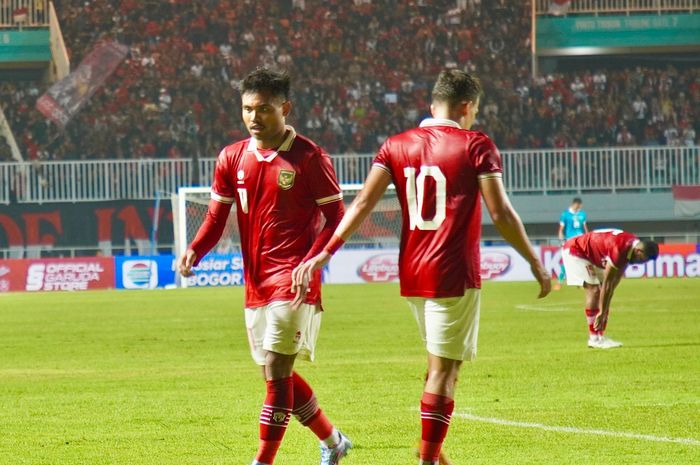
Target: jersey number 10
<point x="415" y="196"/>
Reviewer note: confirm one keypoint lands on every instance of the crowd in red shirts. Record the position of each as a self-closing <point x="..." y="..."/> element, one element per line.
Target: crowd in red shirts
<point x="361" y="70"/>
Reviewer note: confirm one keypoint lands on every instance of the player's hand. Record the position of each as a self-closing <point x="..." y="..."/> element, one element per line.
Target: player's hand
<point x="185" y="263"/>
<point x="543" y="278"/>
<point x="601" y="320"/>
<point x="302" y="275"/>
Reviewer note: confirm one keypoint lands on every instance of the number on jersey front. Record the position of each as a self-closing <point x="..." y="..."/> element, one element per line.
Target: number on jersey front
<point x="415" y="197"/>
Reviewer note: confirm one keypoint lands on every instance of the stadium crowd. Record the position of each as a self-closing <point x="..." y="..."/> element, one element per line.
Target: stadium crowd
<point x="362" y="70"/>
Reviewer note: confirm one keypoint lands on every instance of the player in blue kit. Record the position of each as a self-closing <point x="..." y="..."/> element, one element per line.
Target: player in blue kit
<point x="572" y="223"/>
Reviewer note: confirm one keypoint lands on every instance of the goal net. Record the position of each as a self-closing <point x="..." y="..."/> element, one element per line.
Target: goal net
<point x="380" y="230"/>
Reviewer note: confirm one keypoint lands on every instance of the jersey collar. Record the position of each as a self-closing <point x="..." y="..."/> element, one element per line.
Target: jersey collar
<point x="430" y="122"/>
<point x="629" y="252"/>
<point x="285" y="147"/>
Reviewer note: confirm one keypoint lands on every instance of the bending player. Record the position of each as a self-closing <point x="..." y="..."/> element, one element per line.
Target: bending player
<point x="440" y="170"/>
<point x="597" y="261"/>
<point x="281" y="183"/>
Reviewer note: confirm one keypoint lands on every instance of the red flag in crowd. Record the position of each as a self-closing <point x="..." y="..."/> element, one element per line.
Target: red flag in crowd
<point x="686" y="200"/>
<point x="20" y="15"/>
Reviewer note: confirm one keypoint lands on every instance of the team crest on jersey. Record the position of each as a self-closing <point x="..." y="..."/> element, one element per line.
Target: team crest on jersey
<point x="286" y="179"/>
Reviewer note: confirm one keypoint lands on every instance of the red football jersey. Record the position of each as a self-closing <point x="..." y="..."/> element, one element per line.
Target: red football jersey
<point x="436" y="170"/>
<point x="277" y="195"/>
<point x="603" y="246"/>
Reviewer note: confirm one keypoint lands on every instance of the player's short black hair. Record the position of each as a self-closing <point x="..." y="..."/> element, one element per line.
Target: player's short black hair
<point x="577" y="200"/>
<point x="454" y="86"/>
<point x="266" y="81"/>
<point x="651" y="249"/>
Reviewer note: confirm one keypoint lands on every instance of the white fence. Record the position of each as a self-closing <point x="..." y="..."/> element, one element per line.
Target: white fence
<point x="622" y="6"/>
<point x="31" y="13"/>
<point x="641" y="169"/>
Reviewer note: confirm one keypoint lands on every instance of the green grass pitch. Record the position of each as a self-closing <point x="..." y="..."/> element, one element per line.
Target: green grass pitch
<point x="164" y="377"/>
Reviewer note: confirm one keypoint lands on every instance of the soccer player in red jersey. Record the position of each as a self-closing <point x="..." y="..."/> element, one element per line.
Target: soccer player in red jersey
<point x="597" y="261"/>
<point x="440" y="170"/>
<point x="281" y="183"/>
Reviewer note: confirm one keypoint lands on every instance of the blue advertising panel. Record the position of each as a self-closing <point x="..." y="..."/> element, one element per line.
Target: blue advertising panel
<point x="148" y="272"/>
<point x="218" y="270"/>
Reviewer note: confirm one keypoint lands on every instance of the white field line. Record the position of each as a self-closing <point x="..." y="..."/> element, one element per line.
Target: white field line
<point x="571" y="306"/>
<point x="574" y="430"/>
<point x="554" y="307"/>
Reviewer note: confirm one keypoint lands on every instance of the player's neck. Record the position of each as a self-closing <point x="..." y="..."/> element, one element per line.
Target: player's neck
<point x="445" y="113"/>
<point x="273" y="142"/>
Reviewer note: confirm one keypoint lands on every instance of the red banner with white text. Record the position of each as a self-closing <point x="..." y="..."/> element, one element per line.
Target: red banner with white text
<point x="56" y="274"/>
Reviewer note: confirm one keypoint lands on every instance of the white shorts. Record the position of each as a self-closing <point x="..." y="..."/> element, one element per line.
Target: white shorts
<point x="277" y="328"/>
<point x="579" y="270"/>
<point x="449" y="326"/>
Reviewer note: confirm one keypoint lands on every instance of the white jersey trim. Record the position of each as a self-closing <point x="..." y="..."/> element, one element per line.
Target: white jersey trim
<point x="490" y="175"/>
<point x="285" y="147"/>
<point x="379" y="165"/>
<point x="329" y="199"/>
<point x="430" y="122"/>
<point x="629" y="253"/>
<point x="221" y="198"/>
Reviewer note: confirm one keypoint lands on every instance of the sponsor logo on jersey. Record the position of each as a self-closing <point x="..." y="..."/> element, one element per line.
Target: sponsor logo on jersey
<point x="286" y="179"/>
<point x="494" y="264"/>
<point x="380" y="268"/>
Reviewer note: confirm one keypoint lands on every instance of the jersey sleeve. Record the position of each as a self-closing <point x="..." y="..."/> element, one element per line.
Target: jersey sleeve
<point x="562" y="218"/>
<point x="383" y="160"/>
<point x="487" y="158"/>
<point x="619" y="253"/>
<point x="222" y="188"/>
<point x="321" y="179"/>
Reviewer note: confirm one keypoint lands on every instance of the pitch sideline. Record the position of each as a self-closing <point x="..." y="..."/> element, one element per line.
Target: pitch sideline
<point x="575" y="430"/>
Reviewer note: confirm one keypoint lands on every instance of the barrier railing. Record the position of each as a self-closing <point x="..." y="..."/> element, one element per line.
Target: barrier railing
<point x="25" y="13"/>
<point x="621" y="6"/>
<point x="644" y="169"/>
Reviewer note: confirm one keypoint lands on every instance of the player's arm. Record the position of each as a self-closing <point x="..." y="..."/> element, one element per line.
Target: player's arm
<point x="510" y="226"/>
<point x="333" y="213"/>
<point x="207" y="236"/>
<point x="376" y="183"/>
<point x="611" y="278"/>
<point x="560" y="234"/>
<point x="585" y="227"/>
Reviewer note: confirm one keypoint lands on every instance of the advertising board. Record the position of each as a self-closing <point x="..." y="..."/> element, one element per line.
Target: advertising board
<point x="56" y="274"/>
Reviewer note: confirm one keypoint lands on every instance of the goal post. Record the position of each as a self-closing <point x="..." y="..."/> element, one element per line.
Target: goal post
<point x="381" y="229"/>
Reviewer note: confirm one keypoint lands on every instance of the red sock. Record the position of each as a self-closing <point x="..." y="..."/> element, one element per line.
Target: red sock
<point x="306" y="409"/>
<point x="591" y="313"/>
<point x="435" y="414"/>
<point x="274" y="418"/>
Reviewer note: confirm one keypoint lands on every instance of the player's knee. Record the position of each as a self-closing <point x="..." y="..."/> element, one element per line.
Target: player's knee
<point x="278" y="366"/>
<point x="445" y="375"/>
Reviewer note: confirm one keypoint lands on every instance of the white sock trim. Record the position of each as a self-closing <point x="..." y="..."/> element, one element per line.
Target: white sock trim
<point x="332" y="440"/>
